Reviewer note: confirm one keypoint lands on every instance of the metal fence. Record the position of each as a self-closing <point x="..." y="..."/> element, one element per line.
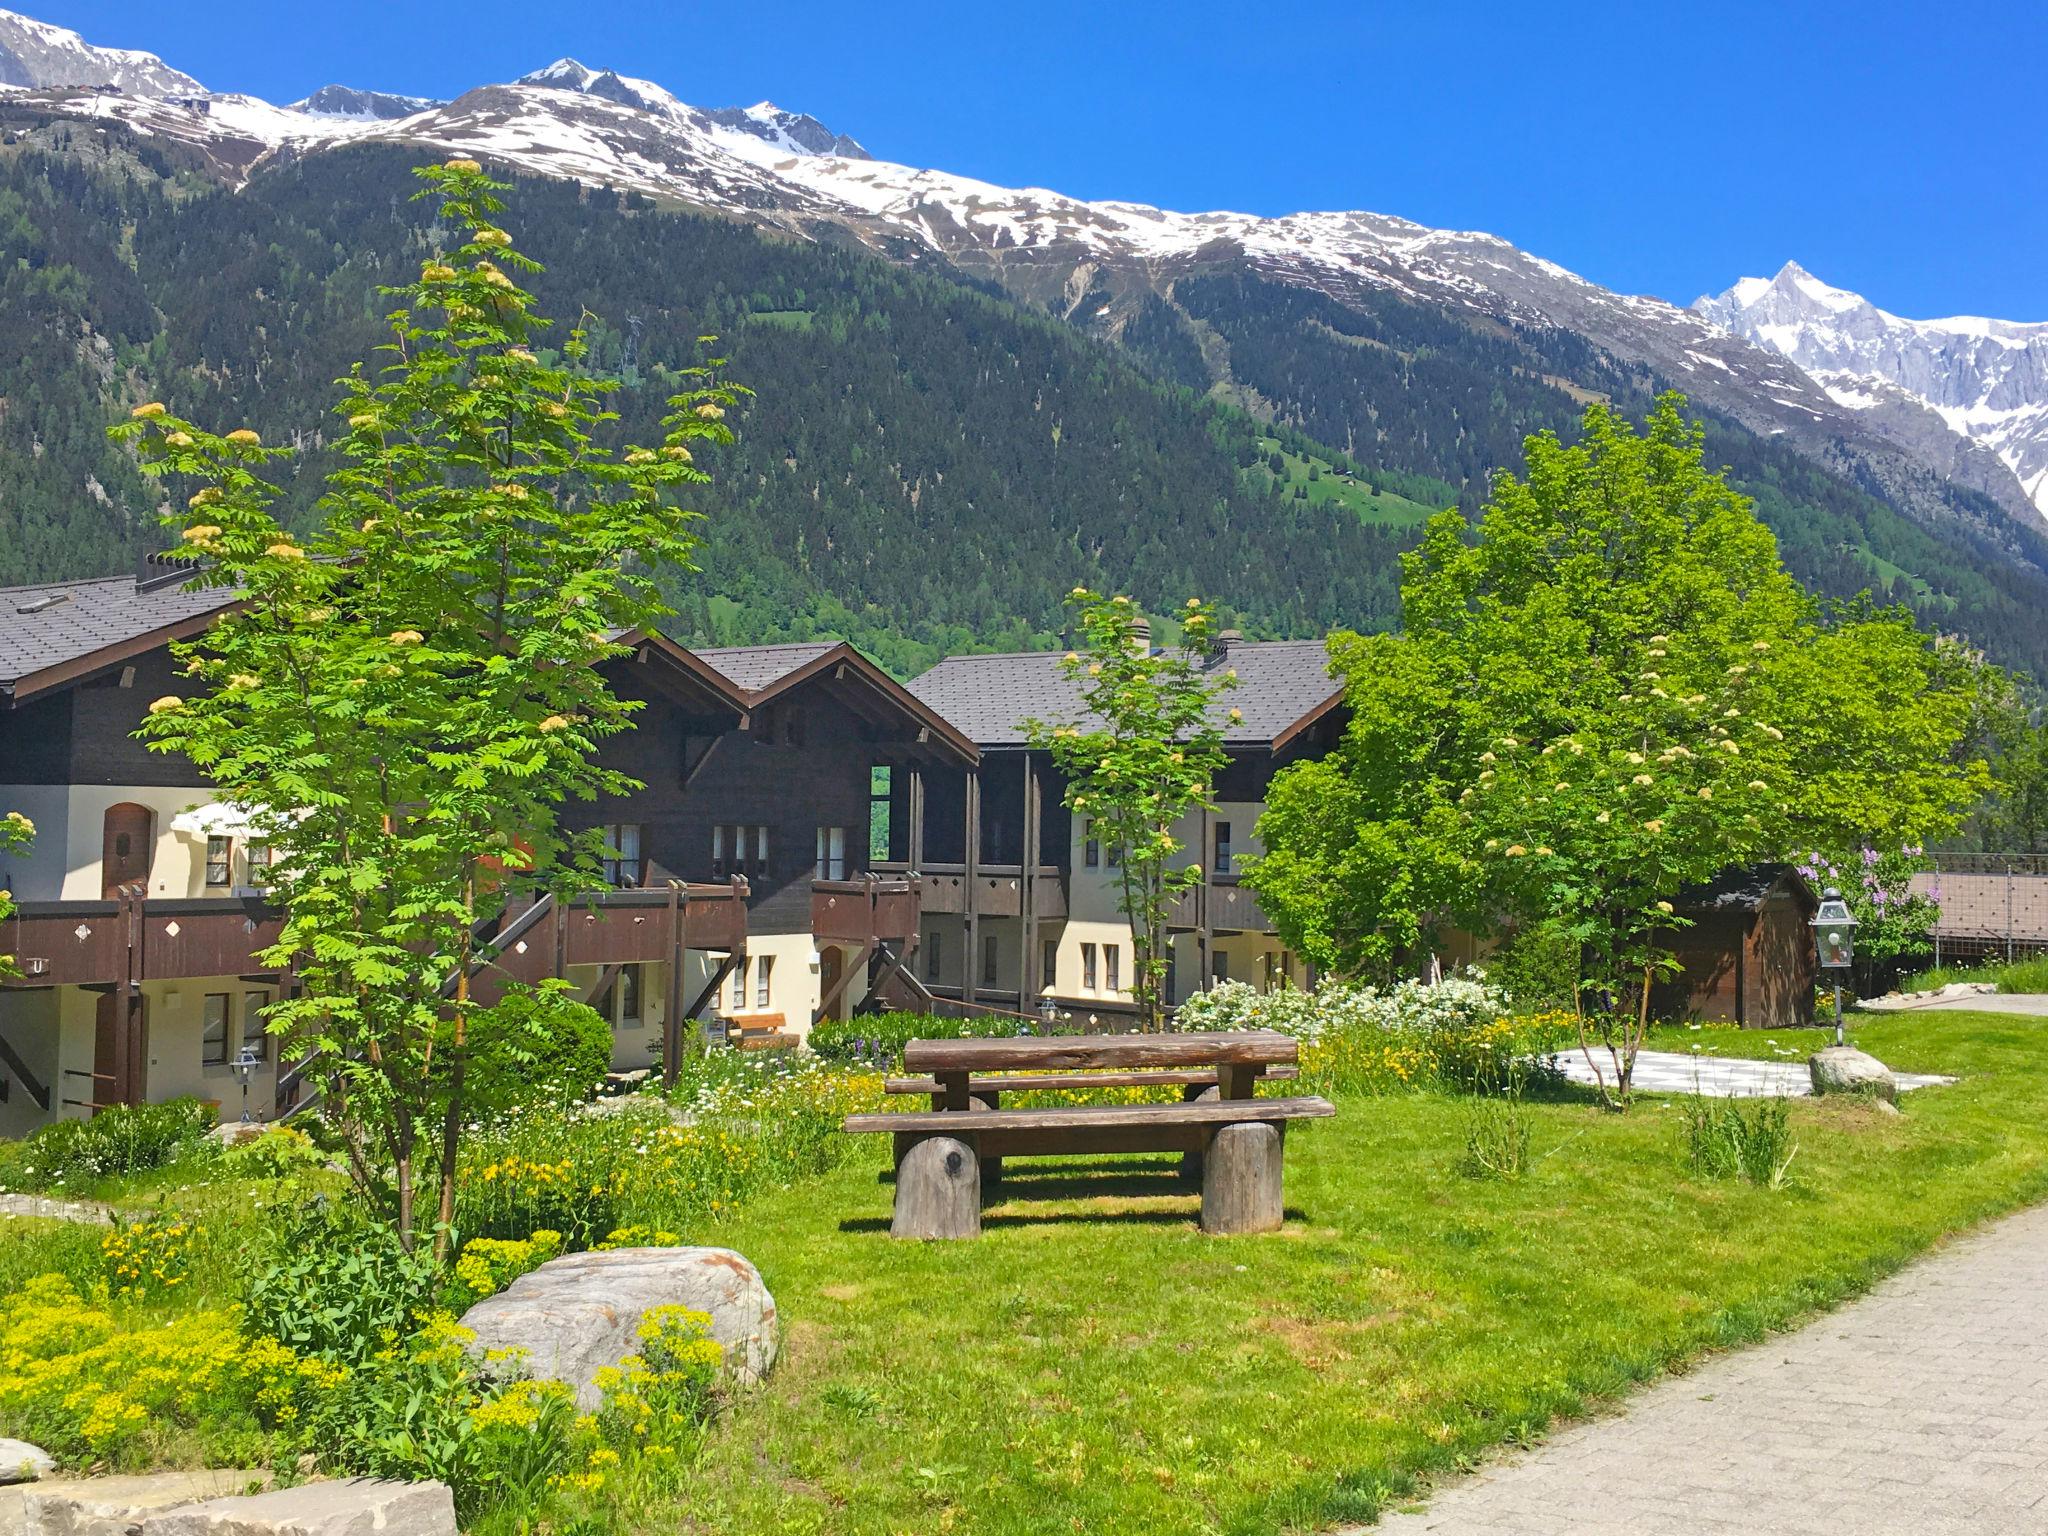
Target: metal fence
<point x="1994" y="906"/>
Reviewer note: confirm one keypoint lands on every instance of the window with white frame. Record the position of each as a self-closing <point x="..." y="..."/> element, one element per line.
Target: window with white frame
<point x="220" y="858"/>
<point x="1223" y="848"/>
<point x="1087" y="967"/>
<point x="739" y="987"/>
<point x="760" y="865"/>
<point x="1050" y="964"/>
<point x="1091" y="849"/>
<point x="764" y="987"/>
<point x="1112" y="968"/>
<point x="831" y="849"/>
<point x="621" y="864"/>
<point x="628" y="997"/>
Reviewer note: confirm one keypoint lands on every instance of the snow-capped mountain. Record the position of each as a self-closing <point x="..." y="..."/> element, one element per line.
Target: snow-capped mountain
<point x="1099" y="263"/>
<point x="346" y="101"/>
<point x="34" y="53"/>
<point x="1986" y="380"/>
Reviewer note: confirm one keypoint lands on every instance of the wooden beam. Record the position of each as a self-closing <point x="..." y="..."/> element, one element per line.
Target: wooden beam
<point x="37" y="1090"/>
<point x="725" y="969"/>
<point x="672" y="1007"/>
<point x="970" y="921"/>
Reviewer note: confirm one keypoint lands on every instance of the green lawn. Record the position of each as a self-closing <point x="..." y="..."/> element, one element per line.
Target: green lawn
<point x="1093" y="1363"/>
<point x="1386" y="508"/>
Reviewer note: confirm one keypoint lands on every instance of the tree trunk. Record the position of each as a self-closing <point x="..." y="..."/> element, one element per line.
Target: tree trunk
<point x="1241" y="1180"/>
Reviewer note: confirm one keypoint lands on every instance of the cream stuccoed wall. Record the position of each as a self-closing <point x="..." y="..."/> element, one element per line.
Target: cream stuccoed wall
<point x="793" y="984"/>
<point x="176" y="1014"/>
<point x="63" y="863"/>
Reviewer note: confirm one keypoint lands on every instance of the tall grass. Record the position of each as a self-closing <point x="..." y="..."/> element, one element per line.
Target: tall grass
<point x="2029" y="975"/>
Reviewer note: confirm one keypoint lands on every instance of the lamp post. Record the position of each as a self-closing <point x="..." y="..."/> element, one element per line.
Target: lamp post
<point x="245" y="1065"/>
<point x="1834" y="936"/>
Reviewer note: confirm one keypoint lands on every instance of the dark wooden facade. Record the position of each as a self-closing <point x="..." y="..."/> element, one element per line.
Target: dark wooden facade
<point x="1748" y="957"/>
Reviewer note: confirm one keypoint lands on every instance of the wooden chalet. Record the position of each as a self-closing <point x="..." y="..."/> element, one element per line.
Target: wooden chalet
<point x="1019" y="900"/>
<point x="739" y="893"/>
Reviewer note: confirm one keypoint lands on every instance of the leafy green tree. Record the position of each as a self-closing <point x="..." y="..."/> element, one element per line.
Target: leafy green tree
<point x="1613" y="692"/>
<point x="16" y="831"/>
<point x="1139" y="756"/>
<point x="408" y="696"/>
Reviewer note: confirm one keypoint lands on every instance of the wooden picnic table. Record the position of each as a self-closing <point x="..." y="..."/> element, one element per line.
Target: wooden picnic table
<point x="1231" y="1140"/>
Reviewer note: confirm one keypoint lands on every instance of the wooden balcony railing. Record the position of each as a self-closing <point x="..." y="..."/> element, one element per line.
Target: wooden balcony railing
<point x="865" y="911"/>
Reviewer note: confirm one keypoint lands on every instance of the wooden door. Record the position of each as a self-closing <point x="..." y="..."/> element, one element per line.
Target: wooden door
<point x="126" y="845"/>
<point x="830" y="963"/>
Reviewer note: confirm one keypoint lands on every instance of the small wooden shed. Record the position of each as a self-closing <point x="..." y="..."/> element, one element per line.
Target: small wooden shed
<point x="1748" y="956"/>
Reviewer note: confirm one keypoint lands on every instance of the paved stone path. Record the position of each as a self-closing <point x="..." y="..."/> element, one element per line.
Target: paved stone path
<point x="1725" y="1077"/>
<point x="1920" y="1410"/>
<point x="59" y="1210"/>
<point x="1989" y="1002"/>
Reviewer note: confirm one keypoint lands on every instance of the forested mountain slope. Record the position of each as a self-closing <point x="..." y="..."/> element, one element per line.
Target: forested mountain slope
<point x="929" y="465"/>
<point x="926" y="467"/>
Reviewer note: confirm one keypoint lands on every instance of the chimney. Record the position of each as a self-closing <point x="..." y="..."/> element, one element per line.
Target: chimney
<point x="1141" y="635"/>
<point x="1219" y="647"/>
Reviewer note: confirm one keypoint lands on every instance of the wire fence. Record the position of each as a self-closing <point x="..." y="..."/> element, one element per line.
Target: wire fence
<point x="1994" y="906"/>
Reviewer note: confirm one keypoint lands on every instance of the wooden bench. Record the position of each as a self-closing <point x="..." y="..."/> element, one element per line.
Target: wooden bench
<point x="758" y="1032"/>
<point x="1230" y="1139"/>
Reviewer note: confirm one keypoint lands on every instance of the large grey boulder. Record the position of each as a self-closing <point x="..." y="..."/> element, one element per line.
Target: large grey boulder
<point x="112" y="1506"/>
<point x="352" y="1507"/>
<point x="1844" y="1069"/>
<point x="577" y="1314"/>
<point x="21" y="1462"/>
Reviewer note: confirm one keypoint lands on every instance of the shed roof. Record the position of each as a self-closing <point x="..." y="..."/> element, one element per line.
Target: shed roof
<point x="1282" y="686"/>
<point x="1744" y="889"/>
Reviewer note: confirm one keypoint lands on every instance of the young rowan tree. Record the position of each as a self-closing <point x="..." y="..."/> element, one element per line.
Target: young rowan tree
<point x="1141" y="753"/>
<point x="407" y="697"/>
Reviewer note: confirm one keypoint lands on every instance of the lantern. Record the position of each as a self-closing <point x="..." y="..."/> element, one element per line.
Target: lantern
<point x="1834" y="932"/>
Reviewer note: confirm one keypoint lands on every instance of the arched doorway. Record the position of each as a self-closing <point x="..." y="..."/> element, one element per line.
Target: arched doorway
<point x="831" y="962"/>
<point x="128" y="840"/>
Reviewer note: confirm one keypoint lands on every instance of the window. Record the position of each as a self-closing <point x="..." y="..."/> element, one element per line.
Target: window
<point x="739" y="987"/>
<point x="1091" y="850"/>
<point x="220" y="852"/>
<point x="831" y="861"/>
<point x="881" y="791"/>
<point x="1049" y="964"/>
<point x="1087" y="967"/>
<point x="255" y="1038"/>
<point x="622" y="854"/>
<point x="1112" y="966"/>
<point x="628" y="994"/>
<point x="737" y="840"/>
<point x="1219" y="966"/>
<point x="213" y="1029"/>
<point x="259" y="863"/>
<point x="764" y="989"/>
<point x="1274" y="974"/>
<point x="931" y="956"/>
<point x="990" y="948"/>
<point x="1222" y="847"/>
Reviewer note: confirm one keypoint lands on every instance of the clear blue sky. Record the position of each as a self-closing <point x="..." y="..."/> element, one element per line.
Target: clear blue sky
<point x="1897" y="149"/>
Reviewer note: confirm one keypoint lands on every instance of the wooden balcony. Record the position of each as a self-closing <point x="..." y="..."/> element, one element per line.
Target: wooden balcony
<point x="116" y="943"/>
<point x="998" y="889"/>
<point x="1230" y="908"/>
<point x="865" y="911"/>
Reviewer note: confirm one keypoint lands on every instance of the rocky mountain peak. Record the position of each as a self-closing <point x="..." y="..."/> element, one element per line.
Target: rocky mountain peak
<point x="36" y="54"/>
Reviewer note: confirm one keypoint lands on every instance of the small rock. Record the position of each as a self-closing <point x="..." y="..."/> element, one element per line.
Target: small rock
<point x="577" y="1314"/>
<point x="233" y="1133"/>
<point x="21" y="1462"/>
<point x="355" y="1507"/>
<point x="1844" y="1069"/>
<point x="112" y="1506"/>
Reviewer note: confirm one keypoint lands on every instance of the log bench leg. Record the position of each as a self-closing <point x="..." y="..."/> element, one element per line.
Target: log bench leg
<point x="1191" y="1162"/>
<point x="938" y="1189"/>
<point x="1240" y="1179"/>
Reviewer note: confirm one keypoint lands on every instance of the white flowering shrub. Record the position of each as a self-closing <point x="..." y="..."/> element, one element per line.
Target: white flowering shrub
<point x="1454" y="1004"/>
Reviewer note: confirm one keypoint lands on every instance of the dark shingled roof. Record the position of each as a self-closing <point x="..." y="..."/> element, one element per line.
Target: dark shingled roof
<point x="754" y="667"/>
<point x="1743" y="889"/>
<point x="1280" y="684"/>
<point x="67" y="622"/>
